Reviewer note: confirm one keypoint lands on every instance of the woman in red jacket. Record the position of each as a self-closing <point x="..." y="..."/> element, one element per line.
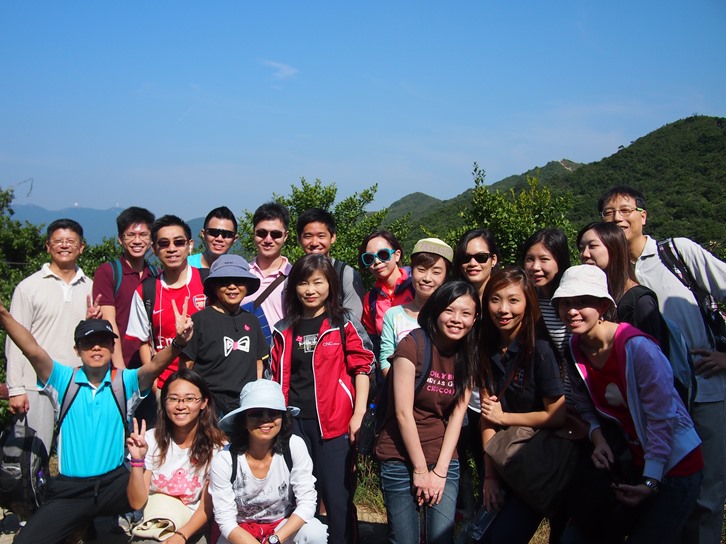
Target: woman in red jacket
<point x="322" y="358"/>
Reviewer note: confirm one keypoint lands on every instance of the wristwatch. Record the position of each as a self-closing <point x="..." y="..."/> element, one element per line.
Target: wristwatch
<point x="653" y="485"/>
<point x="273" y="539"/>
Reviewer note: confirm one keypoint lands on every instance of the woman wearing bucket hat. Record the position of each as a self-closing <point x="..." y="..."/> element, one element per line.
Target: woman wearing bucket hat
<point x="170" y="463"/>
<point x="228" y="348"/>
<point x="649" y="485"/>
<point x="262" y="484"/>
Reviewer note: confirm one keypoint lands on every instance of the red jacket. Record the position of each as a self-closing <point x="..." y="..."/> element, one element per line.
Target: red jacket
<point x="333" y="370"/>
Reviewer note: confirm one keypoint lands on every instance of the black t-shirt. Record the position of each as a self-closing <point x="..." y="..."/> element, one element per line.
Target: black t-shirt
<point x="225" y="349"/>
<point x="539" y="378"/>
<point x="302" y="381"/>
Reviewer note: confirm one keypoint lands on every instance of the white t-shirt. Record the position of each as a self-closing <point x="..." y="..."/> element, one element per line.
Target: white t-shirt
<point x="176" y="477"/>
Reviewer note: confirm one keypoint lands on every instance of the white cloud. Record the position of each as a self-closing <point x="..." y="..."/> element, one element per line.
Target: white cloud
<point x="282" y="70"/>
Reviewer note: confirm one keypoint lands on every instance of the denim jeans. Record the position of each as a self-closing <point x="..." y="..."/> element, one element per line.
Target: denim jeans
<point x="403" y="512"/>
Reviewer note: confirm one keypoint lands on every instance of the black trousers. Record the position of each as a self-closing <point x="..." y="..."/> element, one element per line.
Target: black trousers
<point x="72" y="502"/>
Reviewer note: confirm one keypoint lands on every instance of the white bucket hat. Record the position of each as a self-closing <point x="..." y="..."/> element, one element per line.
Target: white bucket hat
<point x="583" y="280"/>
<point x="258" y="394"/>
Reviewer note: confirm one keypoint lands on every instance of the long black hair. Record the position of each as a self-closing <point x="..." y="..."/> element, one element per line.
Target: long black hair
<point x="467" y="351"/>
<point x="303" y="268"/>
<point x="209" y="436"/>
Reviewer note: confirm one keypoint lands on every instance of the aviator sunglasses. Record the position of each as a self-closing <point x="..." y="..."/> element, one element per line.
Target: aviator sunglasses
<point x="481" y="258"/>
<point x="165" y="242"/>
<point x="384" y="255"/>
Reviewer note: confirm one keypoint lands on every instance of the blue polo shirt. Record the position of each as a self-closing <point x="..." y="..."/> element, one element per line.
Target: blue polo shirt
<point x="92" y="437"/>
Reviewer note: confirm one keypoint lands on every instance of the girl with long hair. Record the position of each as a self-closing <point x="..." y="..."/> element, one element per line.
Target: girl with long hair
<point x="262" y="484"/>
<point x="430" y="268"/>
<point x="428" y="389"/>
<point x="475" y="257"/>
<point x="381" y="254"/>
<point x="621" y="378"/>
<point x="545" y="257"/>
<point x="173" y="459"/>
<point x="604" y="245"/>
<point x="520" y="384"/>
<point x="322" y="357"/>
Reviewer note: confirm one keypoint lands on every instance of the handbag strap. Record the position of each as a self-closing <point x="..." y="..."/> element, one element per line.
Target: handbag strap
<point x="510" y="377"/>
<point x="270" y="288"/>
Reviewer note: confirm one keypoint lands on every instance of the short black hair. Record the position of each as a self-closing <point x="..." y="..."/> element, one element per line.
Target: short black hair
<point x="169" y="221"/>
<point x="132" y="216"/>
<point x="270" y="211"/>
<point x="223" y="212"/>
<point x="315" y="215"/>
<point x="65" y="223"/>
<point x="622" y="190"/>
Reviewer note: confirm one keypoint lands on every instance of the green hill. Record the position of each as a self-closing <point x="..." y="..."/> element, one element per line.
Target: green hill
<point x="681" y="168"/>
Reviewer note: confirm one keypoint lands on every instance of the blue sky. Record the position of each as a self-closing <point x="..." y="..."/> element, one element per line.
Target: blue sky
<point x="184" y="106"/>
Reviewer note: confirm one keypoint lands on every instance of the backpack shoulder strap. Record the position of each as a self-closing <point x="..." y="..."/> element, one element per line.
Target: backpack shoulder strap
<point x="339" y="267"/>
<point x="118" y="389"/>
<point x="154" y="270"/>
<point x="233" y="476"/>
<point x="118" y="275"/>
<point x="287" y="454"/>
<point x="420" y="335"/>
<point x="68" y="398"/>
<point x="268" y="290"/>
<point x="148" y="294"/>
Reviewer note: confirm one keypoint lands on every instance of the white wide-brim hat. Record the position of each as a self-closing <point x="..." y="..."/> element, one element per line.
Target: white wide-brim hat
<point x="258" y="394"/>
<point x="585" y="280"/>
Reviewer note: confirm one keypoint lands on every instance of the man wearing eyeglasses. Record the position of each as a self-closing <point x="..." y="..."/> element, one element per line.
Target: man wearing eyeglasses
<point x="626" y="207"/>
<point x="49" y="303"/>
<point x="151" y="319"/>
<point x="270" y="222"/>
<point x="115" y="282"/>
<point x="219" y="234"/>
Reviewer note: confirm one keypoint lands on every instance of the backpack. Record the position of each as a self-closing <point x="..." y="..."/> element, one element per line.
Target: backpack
<point x="117" y="388"/>
<point x="358" y="287"/>
<point x="674" y="347"/>
<point x="23" y="469"/>
<point x="713" y="318"/>
<point x="117" y="270"/>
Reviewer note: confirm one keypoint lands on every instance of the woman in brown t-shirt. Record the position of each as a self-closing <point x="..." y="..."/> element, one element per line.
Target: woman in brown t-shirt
<point x="417" y="446"/>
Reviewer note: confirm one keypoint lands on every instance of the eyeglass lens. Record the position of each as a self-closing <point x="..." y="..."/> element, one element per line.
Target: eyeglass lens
<point x="384" y="255"/>
<point x="481" y="258"/>
<point x="224" y="233"/>
<point x="165" y="243"/>
<point x="264" y="233"/>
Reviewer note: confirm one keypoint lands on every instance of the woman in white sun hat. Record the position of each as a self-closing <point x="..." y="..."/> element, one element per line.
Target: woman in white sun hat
<point x="619" y="375"/>
<point x="262" y="483"/>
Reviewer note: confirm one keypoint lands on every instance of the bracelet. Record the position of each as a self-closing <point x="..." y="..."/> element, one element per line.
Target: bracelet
<point x="420" y="471"/>
<point x="181" y="535"/>
<point x="437" y="474"/>
<point x="177" y="345"/>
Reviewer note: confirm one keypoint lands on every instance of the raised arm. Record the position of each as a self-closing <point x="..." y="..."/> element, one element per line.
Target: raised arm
<point x="163" y="358"/>
<point x="38" y="357"/>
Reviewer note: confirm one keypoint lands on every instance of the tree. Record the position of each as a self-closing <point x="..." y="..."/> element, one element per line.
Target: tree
<point x="352" y="220"/>
<point x="512" y="217"/>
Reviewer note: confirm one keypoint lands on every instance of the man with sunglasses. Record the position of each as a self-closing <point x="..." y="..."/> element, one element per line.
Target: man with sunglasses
<point x="49" y="303"/>
<point x="219" y="234"/>
<point x="626" y="207"/>
<point x="270" y="223"/>
<point x="151" y="318"/>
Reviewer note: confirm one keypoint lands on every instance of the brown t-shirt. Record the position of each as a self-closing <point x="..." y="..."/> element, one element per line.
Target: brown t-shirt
<point x="430" y="405"/>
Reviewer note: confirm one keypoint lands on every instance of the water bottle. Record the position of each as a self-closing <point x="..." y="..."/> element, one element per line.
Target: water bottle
<point x="367" y="433"/>
<point x="477" y="527"/>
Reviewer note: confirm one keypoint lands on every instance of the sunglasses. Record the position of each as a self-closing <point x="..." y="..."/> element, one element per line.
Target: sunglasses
<point x="165" y="243"/>
<point x="224" y="233"/>
<point x="226" y="282"/>
<point x="274" y="234"/>
<point x="481" y="258"/>
<point x="267" y="413"/>
<point x="384" y="255"/>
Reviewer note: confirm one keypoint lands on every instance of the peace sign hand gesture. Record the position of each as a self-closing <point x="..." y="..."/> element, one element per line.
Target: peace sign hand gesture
<point x="136" y="442"/>
<point x="93" y="308"/>
<point x="184" y="323"/>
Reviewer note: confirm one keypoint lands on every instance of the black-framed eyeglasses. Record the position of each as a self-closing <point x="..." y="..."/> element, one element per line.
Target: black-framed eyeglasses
<point x="224" y="233"/>
<point x="183" y="400"/>
<point x="264" y="233"/>
<point x="165" y="242"/>
<point x="384" y="255"/>
<point x="266" y="413"/>
<point x="481" y="257"/>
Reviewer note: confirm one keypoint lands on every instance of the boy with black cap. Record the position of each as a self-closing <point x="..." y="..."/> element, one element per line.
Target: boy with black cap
<point x="229" y="348"/>
<point x="93" y="478"/>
